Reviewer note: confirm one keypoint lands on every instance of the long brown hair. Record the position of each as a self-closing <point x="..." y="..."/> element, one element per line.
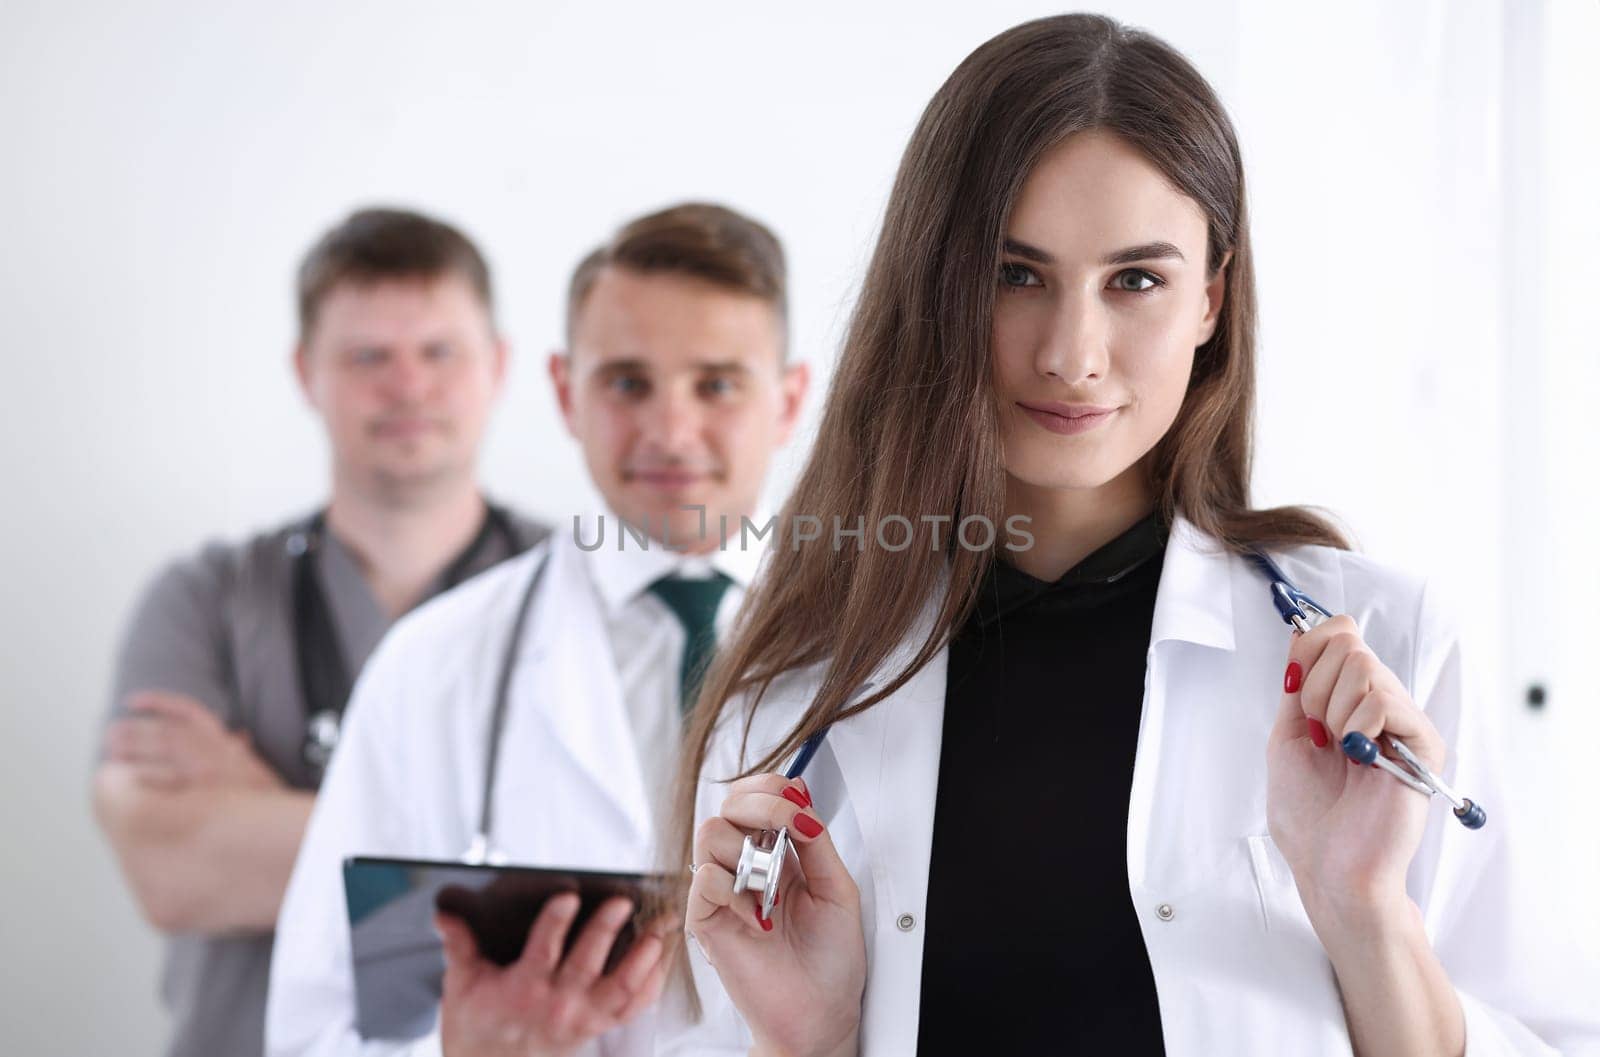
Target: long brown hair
<point x="910" y="426"/>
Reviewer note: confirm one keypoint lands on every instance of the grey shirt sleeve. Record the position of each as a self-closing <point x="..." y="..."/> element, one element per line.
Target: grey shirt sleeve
<point x="176" y="638"/>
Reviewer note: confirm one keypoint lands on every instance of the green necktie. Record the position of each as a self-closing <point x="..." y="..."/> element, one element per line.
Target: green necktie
<point x="694" y="603"/>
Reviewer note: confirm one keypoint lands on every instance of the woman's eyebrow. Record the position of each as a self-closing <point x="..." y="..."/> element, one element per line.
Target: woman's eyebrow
<point x="1148" y="251"/>
<point x="1018" y="248"/>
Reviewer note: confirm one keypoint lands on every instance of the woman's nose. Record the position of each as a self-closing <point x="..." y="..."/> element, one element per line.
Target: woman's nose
<point x="1072" y="348"/>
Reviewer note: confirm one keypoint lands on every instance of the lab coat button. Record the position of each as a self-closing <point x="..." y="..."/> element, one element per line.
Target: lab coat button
<point x="1165" y="912"/>
<point x="906" y="922"/>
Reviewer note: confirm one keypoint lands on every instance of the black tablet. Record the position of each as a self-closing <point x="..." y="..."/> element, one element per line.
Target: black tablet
<point x="396" y="954"/>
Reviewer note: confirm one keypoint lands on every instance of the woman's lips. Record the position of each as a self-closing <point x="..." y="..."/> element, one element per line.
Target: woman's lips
<point x="1068" y="420"/>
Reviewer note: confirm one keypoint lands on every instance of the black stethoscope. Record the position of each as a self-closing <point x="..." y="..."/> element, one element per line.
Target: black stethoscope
<point x="325" y="678"/>
<point x="762" y="856"/>
<point x="482" y="849"/>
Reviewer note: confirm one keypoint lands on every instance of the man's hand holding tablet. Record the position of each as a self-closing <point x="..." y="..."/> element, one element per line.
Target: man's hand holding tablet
<point x="536" y="961"/>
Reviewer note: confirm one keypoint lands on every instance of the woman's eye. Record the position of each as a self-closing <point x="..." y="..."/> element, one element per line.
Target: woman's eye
<point x="1015" y="275"/>
<point x="1135" y="281"/>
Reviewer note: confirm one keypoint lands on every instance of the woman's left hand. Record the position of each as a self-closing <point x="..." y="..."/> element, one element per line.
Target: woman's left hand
<point x="1347" y="832"/>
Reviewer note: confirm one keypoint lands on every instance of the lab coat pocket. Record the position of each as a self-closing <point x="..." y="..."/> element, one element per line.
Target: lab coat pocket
<point x="1281" y="908"/>
<point x="1299" y="1007"/>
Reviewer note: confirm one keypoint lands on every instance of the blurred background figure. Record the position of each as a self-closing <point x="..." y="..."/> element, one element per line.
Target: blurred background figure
<point x="677" y="386"/>
<point x="238" y="660"/>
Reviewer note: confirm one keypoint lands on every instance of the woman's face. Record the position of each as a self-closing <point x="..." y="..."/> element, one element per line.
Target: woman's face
<point x="1103" y="298"/>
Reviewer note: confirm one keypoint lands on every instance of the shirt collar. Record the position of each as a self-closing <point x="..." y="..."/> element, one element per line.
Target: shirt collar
<point x="1094" y="580"/>
<point x="622" y="574"/>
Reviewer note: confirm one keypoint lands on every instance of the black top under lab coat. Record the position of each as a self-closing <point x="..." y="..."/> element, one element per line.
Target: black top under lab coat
<point x="1032" y="943"/>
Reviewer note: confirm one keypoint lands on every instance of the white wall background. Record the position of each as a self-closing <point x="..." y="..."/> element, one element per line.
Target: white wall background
<point x="1422" y="189"/>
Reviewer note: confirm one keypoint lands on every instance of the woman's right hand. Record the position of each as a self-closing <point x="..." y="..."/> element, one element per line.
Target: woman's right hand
<point x="798" y="978"/>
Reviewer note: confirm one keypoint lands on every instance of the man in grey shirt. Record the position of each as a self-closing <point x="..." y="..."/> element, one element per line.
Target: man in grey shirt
<point x="237" y="661"/>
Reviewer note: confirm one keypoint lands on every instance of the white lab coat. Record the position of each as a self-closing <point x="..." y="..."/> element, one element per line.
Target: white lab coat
<point x="407" y="779"/>
<point x="1237" y="967"/>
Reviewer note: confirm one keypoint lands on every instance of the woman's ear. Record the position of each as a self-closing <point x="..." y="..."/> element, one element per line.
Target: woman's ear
<point x="1216" y="289"/>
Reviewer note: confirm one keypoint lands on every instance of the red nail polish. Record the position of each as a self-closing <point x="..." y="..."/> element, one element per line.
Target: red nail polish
<point x="808" y="826"/>
<point x="766" y="926"/>
<point x="1319" y="733"/>
<point x="1291" y="678"/>
<point x="795" y="796"/>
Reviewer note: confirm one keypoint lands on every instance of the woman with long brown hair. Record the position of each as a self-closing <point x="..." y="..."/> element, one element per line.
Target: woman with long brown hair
<point x="1081" y="791"/>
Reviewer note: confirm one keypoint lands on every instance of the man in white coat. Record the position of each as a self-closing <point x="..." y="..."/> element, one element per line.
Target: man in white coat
<point x="677" y="386"/>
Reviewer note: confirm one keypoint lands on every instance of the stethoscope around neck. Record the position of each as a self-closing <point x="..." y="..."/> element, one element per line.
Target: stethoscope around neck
<point x="324" y="674"/>
<point x="763" y="854"/>
<point x="482" y="850"/>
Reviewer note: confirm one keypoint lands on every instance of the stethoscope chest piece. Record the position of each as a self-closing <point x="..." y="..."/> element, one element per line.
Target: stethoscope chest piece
<point x="761" y="866"/>
<point x="322" y="737"/>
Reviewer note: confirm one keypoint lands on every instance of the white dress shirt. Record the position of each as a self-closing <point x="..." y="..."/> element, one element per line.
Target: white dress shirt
<point x="647" y="640"/>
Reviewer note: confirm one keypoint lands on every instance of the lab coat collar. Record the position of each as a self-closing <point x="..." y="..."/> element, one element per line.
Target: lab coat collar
<point x="1202" y="582"/>
<point x="1194" y="603"/>
<point x="622" y="567"/>
<point x="1194" y="600"/>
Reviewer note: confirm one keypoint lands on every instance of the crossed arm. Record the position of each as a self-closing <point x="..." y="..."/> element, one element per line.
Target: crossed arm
<point x="205" y="831"/>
